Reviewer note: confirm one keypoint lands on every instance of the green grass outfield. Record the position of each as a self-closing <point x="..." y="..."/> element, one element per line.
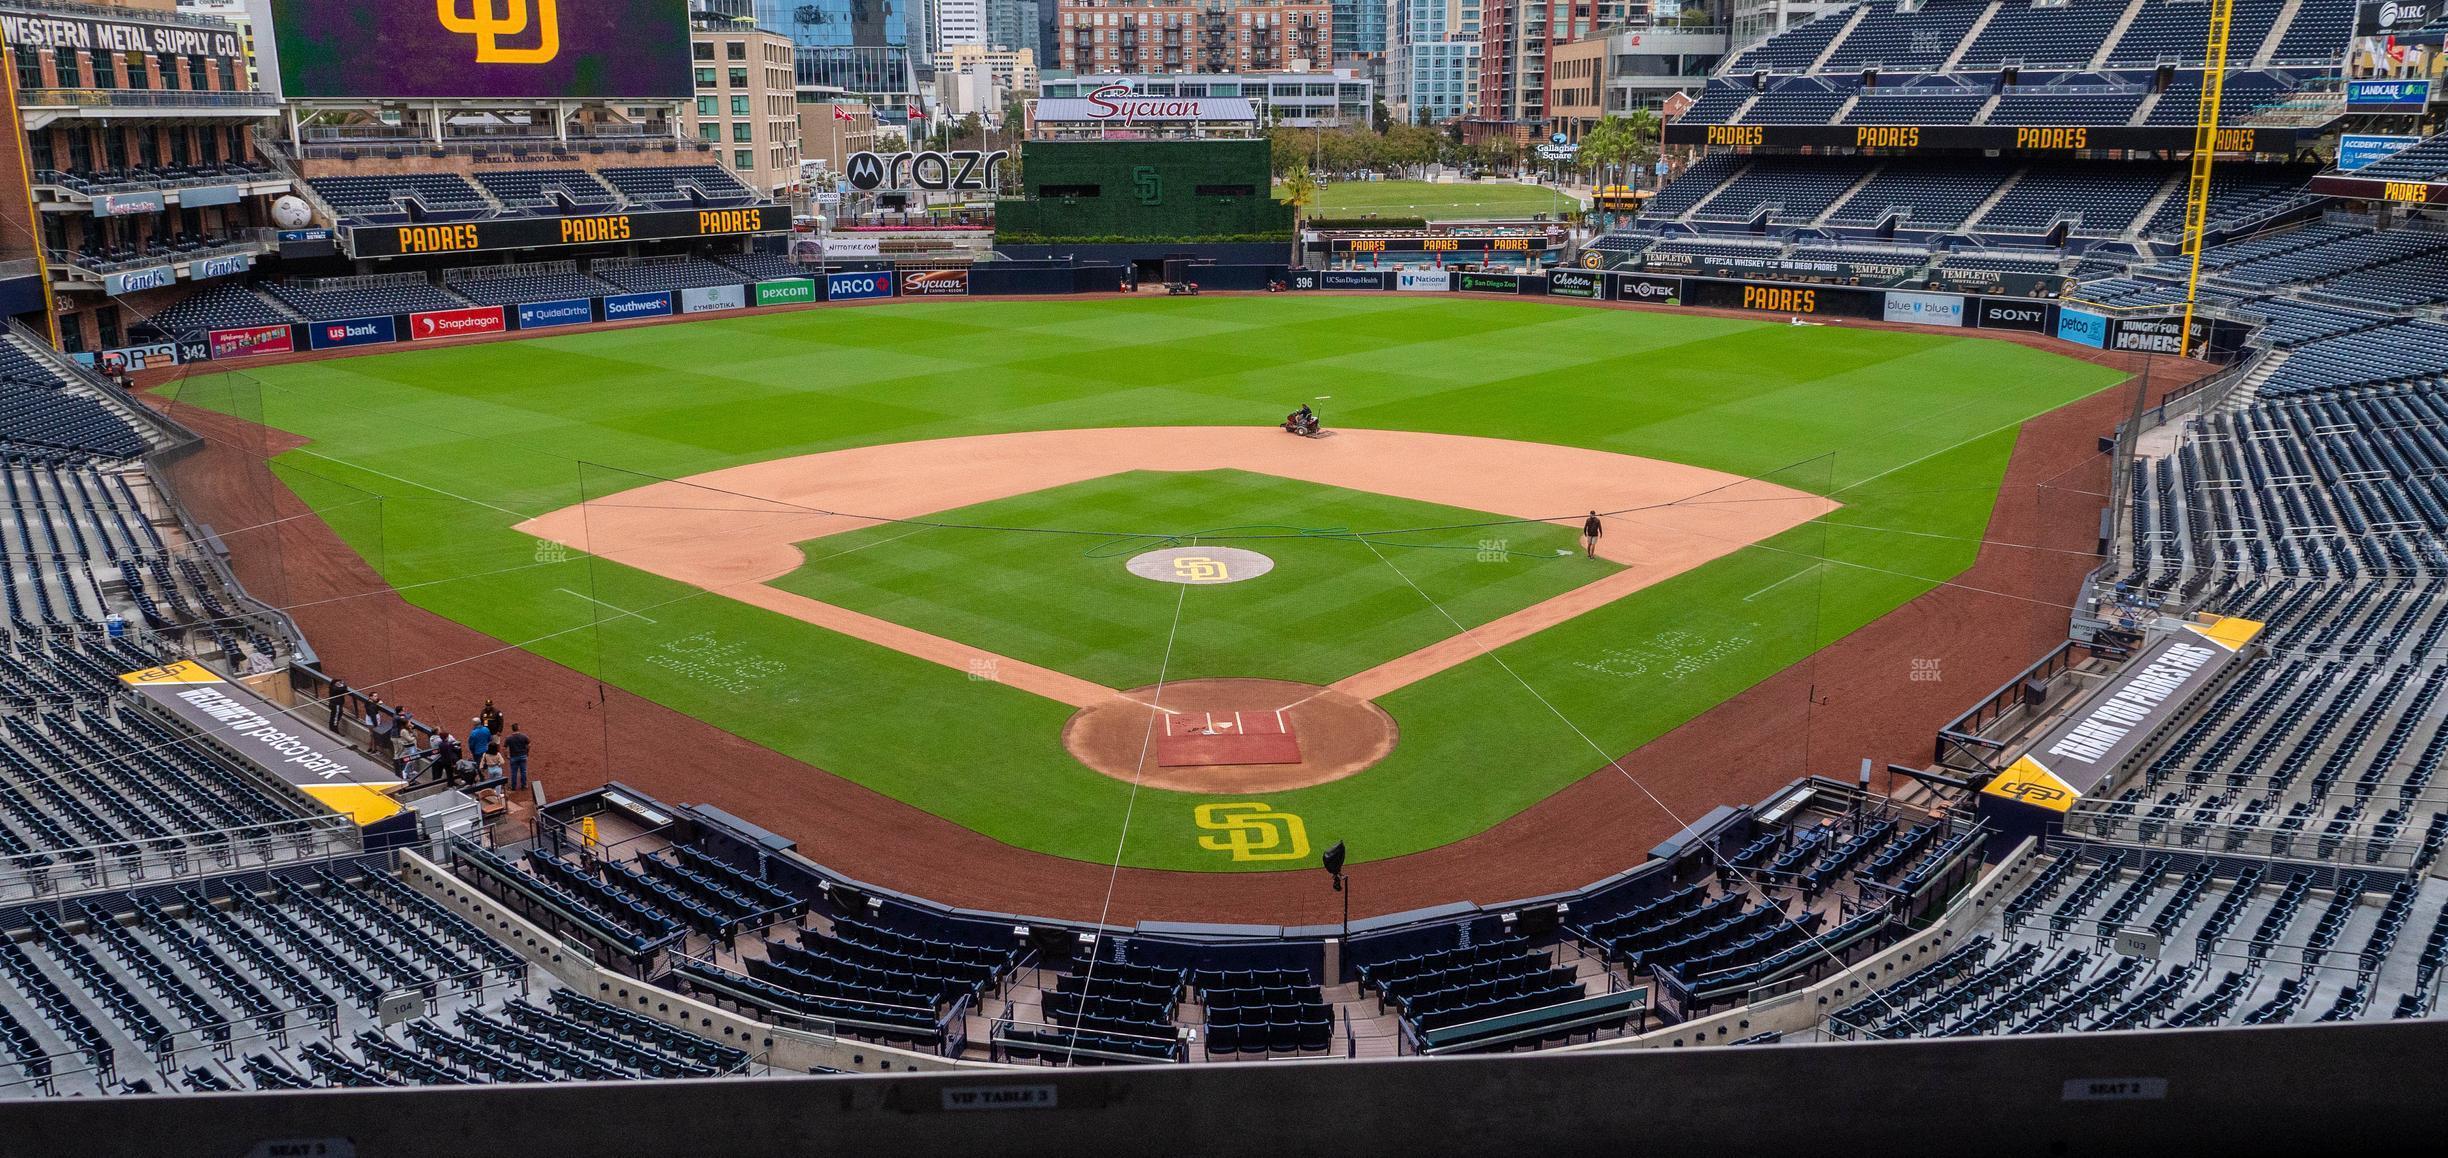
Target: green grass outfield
<point x="1461" y="200"/>
<point x="425" y="459"/>
<point x="1329" y="609"/>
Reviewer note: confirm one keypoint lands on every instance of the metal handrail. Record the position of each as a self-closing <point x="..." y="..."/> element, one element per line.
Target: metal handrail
<point x="149" y="98"/>
<point x="62" y="179"/>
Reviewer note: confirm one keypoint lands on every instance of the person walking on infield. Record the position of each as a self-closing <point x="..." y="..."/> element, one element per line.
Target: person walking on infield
<point x="516" y="745"/>
<point x="1591" y="530"/>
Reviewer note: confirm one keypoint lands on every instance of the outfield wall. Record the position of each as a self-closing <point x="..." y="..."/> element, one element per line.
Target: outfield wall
<point x="2151" y="331"/>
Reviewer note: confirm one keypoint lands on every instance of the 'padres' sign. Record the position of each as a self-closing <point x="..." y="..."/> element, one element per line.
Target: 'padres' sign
<point x="491" y="27"/>
<point x="1252" y="830"/>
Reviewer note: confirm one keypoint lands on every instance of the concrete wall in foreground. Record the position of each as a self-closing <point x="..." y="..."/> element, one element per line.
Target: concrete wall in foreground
<point x="2374" y="1087"/>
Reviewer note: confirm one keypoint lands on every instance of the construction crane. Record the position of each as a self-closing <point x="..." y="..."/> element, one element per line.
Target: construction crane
<point x="2205" y="150"/>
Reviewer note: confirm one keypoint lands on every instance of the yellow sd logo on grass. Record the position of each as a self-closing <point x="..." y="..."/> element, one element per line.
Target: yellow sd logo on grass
<point x="1250" y="830"/>
<point x="1201" y="569"/>
<point x="491" y="21"/>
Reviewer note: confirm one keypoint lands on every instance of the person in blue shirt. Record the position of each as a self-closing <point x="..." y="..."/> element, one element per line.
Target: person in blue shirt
<point x="479" y="741"/>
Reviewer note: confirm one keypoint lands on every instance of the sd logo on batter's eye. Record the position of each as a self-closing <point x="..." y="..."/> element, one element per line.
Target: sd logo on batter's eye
<point x="1201" y="569"/>
<point x="492" y="21"/>
<point x="2034" y="792"/>
<point x="1251" y="830"/>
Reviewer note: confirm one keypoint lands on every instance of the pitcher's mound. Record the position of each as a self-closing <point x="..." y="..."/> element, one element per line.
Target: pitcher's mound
<point x="1287" y="735"/>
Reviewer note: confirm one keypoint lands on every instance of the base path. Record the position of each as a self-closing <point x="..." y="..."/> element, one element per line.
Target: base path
<point x="735" y="531"/>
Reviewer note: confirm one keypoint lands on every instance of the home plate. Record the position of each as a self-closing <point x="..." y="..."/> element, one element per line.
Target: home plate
<point x="1197" y="739"/>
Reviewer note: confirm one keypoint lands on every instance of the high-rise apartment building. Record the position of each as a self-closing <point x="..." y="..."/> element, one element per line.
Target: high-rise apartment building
<point x="1206" y="36"/>
<point x="1515" y="39"/>
<point x="1431" y="60"/>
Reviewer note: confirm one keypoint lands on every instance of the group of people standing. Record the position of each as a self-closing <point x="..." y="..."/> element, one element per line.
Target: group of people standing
<point x="493" y="748"/>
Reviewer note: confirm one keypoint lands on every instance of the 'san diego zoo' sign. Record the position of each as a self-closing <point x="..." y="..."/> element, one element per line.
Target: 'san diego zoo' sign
<point x="960" y="169"/>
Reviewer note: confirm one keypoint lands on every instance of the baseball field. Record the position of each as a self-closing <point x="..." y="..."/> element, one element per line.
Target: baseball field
<point x="898" y="543"/>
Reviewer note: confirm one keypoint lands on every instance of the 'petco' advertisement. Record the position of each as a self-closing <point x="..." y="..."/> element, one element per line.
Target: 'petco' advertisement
<point x="372" y="331"/>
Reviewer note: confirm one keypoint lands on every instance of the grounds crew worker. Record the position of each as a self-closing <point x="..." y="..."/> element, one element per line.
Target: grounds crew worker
<point x="1590" y="532"/>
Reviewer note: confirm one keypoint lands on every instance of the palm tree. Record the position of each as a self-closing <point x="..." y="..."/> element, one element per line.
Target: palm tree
<point x="1299" y="189"/>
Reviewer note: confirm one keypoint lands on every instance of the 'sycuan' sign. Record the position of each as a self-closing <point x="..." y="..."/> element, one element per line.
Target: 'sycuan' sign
<point x="1116" y="104"/>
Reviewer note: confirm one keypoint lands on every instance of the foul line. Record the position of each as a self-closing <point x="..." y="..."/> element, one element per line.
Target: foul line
<point x="601" y="603"/>
<point x="1783" y="581"/>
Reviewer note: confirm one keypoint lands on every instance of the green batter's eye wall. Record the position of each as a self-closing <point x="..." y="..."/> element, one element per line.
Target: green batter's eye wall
<point x="1144" y="191"/>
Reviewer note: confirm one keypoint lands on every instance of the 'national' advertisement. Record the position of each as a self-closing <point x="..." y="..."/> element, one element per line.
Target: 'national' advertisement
<point x="1423" y="280"/>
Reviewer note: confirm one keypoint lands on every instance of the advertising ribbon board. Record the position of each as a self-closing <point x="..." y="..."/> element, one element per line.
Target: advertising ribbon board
<point x="1350" y="279"/>
<point x="930" y="283"/>
<point x="1995" y="314"/>
<point x="1657" y="291"/>
<point x="545" y="315"/>
<point x="1487" y="283"/>
<point x="1925" y="309"/>
<point x="709" y="299"/>
<point x="623" y="307"/>
<point x="457" y="323"/>
<point x="248" y="341"/>
<point x="372" y="331"/>
<point x="2082" y="327"/>
<point x="789" y="291"/>
<point x="851" y="287"/>
<point x="1575" y="283"/>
